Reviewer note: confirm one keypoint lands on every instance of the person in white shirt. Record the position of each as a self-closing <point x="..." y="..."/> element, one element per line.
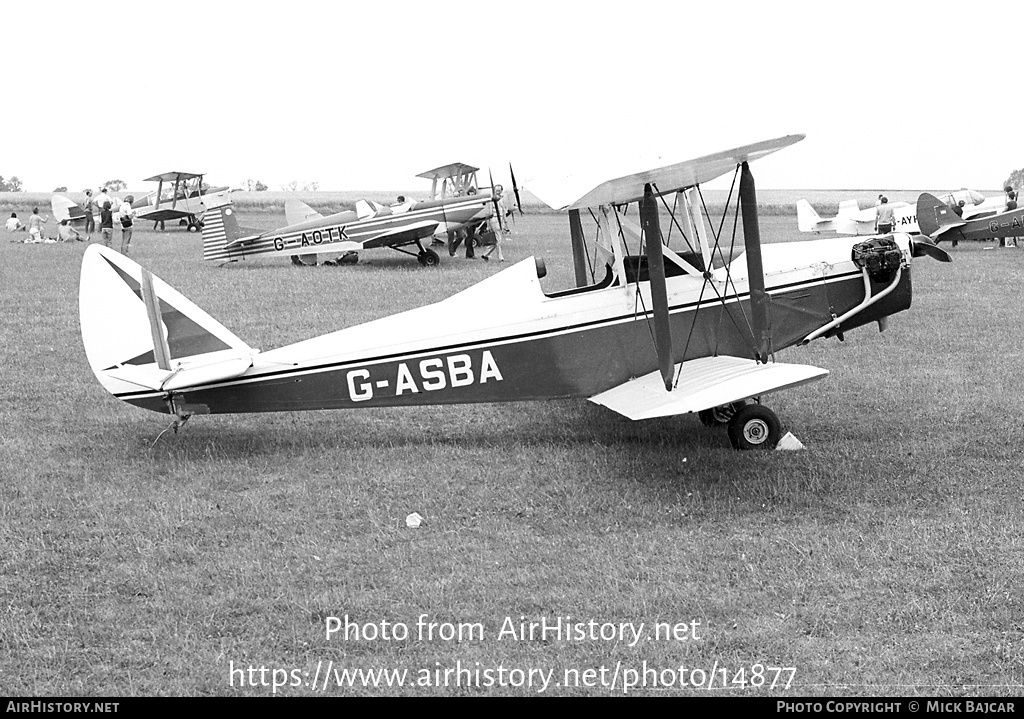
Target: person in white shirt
<point x="104" y="197"/>
<point x="13" y="223"/>
<point x="126" y="216"/>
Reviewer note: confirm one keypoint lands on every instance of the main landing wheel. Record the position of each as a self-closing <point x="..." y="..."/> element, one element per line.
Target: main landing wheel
<point x="754" y="427"/>
<point x="429" y="258"/>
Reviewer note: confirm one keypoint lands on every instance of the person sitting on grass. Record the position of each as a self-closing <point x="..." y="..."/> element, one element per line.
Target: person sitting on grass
<point x="67" y="233"/>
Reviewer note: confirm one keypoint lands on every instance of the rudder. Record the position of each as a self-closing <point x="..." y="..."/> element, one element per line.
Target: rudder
<point x="140" y="334"/>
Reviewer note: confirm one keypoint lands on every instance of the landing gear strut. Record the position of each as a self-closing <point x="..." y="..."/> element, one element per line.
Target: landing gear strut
<point x="719" y="416"/>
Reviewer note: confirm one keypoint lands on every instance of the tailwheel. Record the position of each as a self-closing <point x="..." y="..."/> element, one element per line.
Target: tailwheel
<point x="754" y="427"/>
<point x="429" y="258"/>
<point x="720" y="416"/>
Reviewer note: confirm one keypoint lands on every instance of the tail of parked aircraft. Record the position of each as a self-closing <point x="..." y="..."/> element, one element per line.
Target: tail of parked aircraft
<point x="934" y="216"/>
<point x="64" y="208"/>
<point x="807" y="219"/>
<point x="143" y="339"/>
<point x="220" y="228"/>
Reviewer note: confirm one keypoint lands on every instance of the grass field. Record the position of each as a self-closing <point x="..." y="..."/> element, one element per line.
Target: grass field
<point x="886" y="559"/>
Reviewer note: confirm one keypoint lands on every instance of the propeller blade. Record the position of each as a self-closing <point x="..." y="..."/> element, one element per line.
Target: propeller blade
<point x="923" y="247"/>
<point x="494" y="200"/>
<point x="515" y="189"/>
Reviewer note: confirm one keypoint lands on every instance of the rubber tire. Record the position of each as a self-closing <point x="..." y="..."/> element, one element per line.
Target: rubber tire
<point x="193" y="227"/>
<point x="755" y="427"/>
<point x="429" y="258"/>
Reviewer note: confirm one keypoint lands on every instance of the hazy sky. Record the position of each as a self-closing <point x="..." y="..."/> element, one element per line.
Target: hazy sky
<point x="894" y="94"/>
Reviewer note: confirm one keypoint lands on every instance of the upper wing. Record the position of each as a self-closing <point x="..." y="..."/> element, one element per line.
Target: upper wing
<point x="565" y="194"/>
<point x="173" y="176"/>
<point x="704" y="383"/>
<point x="297" y="211"/>
<point x="445" y="171"/>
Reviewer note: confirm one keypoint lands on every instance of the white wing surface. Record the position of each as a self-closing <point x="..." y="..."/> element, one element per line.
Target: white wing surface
<point x="704" y="383"/>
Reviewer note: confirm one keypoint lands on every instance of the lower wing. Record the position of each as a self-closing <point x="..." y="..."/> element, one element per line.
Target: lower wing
<point x="704" y="383"/>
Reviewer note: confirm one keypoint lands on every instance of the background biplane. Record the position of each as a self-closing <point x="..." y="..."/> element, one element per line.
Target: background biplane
<point x="457" y="202"/>
<point x="648" y="331"/>
<point x="179" y="196"/>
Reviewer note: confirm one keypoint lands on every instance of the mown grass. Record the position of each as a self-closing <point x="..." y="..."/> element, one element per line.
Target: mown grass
<point x="886" y="559"/>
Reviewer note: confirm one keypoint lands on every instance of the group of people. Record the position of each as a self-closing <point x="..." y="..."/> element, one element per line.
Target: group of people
<point x="102" y="206"/>
<point x="65" y="232"/>
<point x="491" y="237"/>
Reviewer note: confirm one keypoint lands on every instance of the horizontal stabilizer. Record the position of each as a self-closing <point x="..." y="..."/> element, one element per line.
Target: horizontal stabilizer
<point x="185" y="374"/>
<point x="704" y="383"/>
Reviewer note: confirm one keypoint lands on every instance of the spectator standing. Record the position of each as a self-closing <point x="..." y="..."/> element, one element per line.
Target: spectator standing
<point x="90" y="208"/>
<point x="126" y="216"/>
<point x="107" y="224"/>
<point x="884" y="217"/>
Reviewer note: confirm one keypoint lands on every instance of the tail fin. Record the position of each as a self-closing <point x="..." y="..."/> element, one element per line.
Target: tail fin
<point x="66" y="209"/>
<point x="220" y="227"/>
<point x="141" y="336"/>
<point x="807" y="219"/>
<point x="296" y="212"/>
<point x="934" y="216"/>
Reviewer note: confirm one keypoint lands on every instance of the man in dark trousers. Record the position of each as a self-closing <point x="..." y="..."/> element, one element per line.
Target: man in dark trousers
<point x="884" y="218"/>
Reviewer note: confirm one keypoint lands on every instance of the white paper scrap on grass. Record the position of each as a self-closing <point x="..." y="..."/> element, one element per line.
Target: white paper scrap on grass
<point x="413" y="520"/>
<point x="789" y="442"/>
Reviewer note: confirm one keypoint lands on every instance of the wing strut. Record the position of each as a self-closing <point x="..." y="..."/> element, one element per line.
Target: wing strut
<point x="579" y="249"/>
<point x="755" y="269"/>
<point x="659" y="294"/>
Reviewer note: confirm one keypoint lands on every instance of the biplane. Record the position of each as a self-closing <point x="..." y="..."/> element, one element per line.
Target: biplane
<point x="456" y="203"/>
<point x="851" y="220"/>
<point x="179" y="196"/>
<point x="648" y="331"/>
<point x="939" y="221"/>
